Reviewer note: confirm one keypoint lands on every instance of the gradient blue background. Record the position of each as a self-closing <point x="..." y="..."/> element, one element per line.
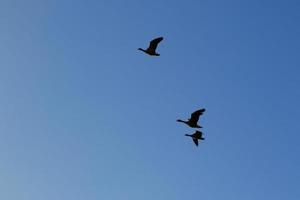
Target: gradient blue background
<point x="84" y="115"/>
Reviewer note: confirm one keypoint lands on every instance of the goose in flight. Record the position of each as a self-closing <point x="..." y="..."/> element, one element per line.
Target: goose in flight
<point x="196" y="136"/>
<point x="192" y="122"/>
<point x="152" y="47"/>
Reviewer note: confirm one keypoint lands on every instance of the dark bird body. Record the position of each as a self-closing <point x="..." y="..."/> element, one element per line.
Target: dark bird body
<point x="151" y="50"/>
<point x="196" y="136"/>
<point x="193" y="121"/>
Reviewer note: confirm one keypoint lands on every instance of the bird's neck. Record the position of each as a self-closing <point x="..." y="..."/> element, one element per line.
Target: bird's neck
<point x="179" y="120"/>
<point x="142" y="49"/>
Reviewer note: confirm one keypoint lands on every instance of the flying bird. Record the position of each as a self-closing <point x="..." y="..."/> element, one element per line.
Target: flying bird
<point x="196" y="136"/>
<point x="152" y="47"/>
<point x="192" y="122"/>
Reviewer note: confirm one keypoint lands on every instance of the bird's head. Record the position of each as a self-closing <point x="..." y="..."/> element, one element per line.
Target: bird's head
<point x="140" y="49"/>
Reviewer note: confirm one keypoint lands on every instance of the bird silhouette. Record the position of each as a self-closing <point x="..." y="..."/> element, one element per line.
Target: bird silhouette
<point x="152" y="47"/>
<point x="196" y="136"/>
<point x="192" y="122"/>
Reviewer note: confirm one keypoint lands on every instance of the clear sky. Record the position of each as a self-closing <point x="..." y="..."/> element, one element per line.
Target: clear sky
<point x="86" y="116"/>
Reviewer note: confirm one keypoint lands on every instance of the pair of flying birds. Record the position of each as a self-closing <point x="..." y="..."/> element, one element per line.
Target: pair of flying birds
<point x="193" y="121"/>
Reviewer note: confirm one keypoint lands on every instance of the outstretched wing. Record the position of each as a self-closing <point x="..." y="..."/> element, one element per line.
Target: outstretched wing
<point x="154" y="43"/>
<point x="195" y="141"/>
<point x="195" y="115"/>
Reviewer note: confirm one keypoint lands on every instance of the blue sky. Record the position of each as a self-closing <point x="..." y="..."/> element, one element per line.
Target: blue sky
<point x="84" y="115"/>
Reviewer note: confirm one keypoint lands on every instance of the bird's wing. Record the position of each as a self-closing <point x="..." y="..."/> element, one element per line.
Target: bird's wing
<point x="153" y="44"/>
<point x="195" y="141"/>
<point x="198" y="134"/>
<point x="195" y="115"/>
